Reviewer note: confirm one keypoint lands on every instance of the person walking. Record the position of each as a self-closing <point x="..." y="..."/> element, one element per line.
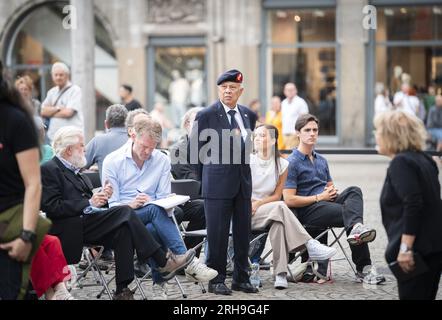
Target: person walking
<point x="410" y="203"/>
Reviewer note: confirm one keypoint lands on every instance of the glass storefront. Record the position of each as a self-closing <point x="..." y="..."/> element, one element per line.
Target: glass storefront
<point x="180" y="79"/>
<point x="301" y="48"/>
<point x="37" y="44"/>
<point x="409" y="44"/>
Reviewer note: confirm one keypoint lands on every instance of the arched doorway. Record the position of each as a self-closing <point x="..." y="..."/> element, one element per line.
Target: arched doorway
<point x="38" y="39"/>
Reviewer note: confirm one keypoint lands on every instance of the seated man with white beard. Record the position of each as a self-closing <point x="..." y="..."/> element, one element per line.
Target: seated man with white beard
<point x="80" y="217"/>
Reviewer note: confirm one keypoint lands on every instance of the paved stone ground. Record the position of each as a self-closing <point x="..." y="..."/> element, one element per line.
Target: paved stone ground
<point x="367" y="172"/>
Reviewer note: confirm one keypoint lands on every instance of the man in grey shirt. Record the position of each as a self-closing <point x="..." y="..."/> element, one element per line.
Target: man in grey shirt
<point x="116" y="136"/>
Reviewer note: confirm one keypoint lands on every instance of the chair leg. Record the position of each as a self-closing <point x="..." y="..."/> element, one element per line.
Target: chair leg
<point x="183" y="293"/>
<point x="138" y="285"/>
<point x="342" y="248"/>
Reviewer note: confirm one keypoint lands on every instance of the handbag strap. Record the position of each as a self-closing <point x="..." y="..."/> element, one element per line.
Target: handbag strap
<point x="24" y="281"/>
<point x="61" y="94"/>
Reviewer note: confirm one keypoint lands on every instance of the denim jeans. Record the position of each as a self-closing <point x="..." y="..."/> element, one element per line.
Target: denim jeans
<point x="436" y="133"/>
<point x="10" y="277"/>
<point x="164" y="230"/>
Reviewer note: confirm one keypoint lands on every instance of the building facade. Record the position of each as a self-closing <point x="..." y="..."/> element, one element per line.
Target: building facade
<point x="172" y="51"/>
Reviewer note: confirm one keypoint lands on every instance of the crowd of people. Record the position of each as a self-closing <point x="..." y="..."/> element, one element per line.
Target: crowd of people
<point x="246" y="185"/>
<point x="427" y="107"/>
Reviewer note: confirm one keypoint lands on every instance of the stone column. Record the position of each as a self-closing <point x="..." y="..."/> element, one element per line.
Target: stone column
<point x="83" y="61"/>
<point x="235" y="40"/>
<point x="352" y="39"/>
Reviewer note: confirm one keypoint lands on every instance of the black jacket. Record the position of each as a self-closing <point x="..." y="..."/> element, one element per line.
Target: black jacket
<point x="181" y="169"/>
<point x="221" y="181"/>
<point x="411" y="204"/>
<point x="64" y="198"/>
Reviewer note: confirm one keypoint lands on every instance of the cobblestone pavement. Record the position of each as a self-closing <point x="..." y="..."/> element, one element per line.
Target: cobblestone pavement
<point x="367" y="172"/>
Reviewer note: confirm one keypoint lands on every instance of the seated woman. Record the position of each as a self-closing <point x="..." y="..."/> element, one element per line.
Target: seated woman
<point x="269" y="172"/>
<point x="49" y="271"/>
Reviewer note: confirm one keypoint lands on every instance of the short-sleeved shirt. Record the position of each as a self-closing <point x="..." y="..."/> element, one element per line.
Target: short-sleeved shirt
<point x="17" y="134"/>
<point x="264" y="179"/>
<point x="307" y="177"/>
<point x="70" y="99"/>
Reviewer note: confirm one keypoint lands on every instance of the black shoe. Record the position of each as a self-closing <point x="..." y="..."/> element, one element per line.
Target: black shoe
<point x="219" y="288"/>
<point x="101" y="264"/>
<point x="107" y="255"/>
<point x="126" y="294"/>
<point x="141" y="269"/>
<point x="244" y="287"/>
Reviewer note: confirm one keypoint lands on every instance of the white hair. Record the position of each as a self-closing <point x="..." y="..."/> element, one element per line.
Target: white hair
<point x="60" y="65"/>
<point x="64" y="138"/>
<point x="379" y="88"/>
<point x="189" y="114"/>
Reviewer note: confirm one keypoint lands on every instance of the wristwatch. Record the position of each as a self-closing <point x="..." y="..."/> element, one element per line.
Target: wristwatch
<point x="28" y="236"/>
<point x="404" y="248"/>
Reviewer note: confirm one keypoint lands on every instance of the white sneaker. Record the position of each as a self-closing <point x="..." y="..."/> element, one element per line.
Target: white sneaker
<point x="281" y="281"/>
<point x="199" y="272"/>
<point x="317" y="251"/>
<point x="361" y="234"/>
<point x="61" y="293"/>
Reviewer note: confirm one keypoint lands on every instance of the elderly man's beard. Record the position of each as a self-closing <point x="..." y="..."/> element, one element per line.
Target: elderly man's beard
<point x="78" y="160"/>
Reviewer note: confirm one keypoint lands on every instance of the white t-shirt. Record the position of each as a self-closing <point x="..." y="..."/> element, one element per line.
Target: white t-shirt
<point x="70" y="99"/>
<point x="291" y="112"/>
<point x="264" y="180"/>
<point x="381" y="104"/>
<point x="406" y="103"/>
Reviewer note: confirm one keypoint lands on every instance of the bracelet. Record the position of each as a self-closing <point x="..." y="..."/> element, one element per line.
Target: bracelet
<point x="316" y="198"/>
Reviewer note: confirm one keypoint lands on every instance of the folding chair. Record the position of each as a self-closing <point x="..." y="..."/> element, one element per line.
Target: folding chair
<point x="92" y="260"/>
<point x="199" y="233"/>
<point x="134" y="289"/>
<point x="336" y="236"/>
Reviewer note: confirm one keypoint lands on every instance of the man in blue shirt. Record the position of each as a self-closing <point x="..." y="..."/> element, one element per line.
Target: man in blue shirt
<point x="309" y="188"/>
<point x="139" y="173"/>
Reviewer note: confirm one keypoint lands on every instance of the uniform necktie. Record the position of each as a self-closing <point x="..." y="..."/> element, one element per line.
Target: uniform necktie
<point x="233" y="123"/>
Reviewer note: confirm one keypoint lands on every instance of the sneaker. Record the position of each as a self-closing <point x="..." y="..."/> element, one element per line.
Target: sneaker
<point x="281" y="281"/>
<point x="199" y="272"/>
<point x="62" y="293"/>
<point x="317" y="251"/>
<point x="369" y="275"/>
<point x="361" y="234"/>
<point x="176" y="263"/>
<point x="126" y="294"/>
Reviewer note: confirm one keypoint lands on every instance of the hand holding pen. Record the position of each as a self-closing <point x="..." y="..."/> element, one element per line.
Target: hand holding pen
<point x="139" y="200"/>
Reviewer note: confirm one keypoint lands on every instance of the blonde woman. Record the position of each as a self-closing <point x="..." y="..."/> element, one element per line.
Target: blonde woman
<point x="410" y="203"/>
<point x="25" y="85"/>
<point x="269" y="172"/>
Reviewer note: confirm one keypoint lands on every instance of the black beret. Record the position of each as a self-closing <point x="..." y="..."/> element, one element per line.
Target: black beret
<point x="231" y="75"/>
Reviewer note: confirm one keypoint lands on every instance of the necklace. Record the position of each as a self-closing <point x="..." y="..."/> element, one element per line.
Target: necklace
<point x="263" y="163"/>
